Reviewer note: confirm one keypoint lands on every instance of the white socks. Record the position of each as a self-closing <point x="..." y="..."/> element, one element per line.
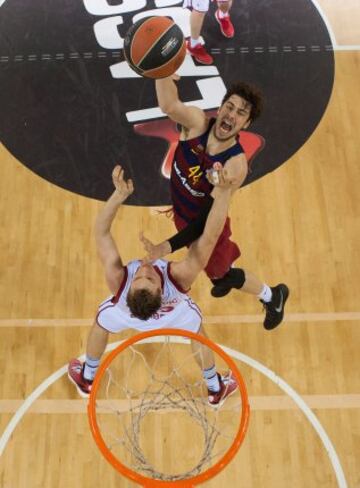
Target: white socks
<point x="266" y="294"/>
<point x="212" y="379"/>
<point x="222" y="14"/>
<point x="90" y="367"/>
<point x="194" y="42"/>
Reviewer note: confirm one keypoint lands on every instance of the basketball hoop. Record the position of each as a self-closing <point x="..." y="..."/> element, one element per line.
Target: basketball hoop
<point x="167" y="396"/>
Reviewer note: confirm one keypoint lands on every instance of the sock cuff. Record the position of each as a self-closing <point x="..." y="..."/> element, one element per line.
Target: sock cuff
<point x="92" y="362"/>
<point x="209" y="373"/>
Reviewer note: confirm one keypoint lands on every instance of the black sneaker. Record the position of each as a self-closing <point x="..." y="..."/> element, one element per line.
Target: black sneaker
<point x="234" y="278"/>
<point x="274" y="310"/>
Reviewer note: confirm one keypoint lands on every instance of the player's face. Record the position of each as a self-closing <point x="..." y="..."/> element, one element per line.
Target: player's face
<point x="146" y="278"/>
<point x="233" y="116"/>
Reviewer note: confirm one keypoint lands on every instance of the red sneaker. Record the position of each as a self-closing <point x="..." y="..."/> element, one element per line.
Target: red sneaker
<point x="199" y="53"/>
<point x="226" y="27"/>
<point x="75" y="374"/>
<point x="228" y="386"/>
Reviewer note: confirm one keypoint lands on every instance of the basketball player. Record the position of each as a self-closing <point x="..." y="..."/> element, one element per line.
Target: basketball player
<point x="203" y="142"/>
<point x="148" y="296"/>
<point x="199" y="9"/>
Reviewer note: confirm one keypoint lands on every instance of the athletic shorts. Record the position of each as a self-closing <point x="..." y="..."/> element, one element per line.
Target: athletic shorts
<point x="224" y="254"/>
<point x="200" y="5"/>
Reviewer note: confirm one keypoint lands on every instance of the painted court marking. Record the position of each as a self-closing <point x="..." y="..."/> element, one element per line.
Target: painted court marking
<point x="257" y="403"/>
<point x="295" y="397"/>
<point x="211" y="319"/>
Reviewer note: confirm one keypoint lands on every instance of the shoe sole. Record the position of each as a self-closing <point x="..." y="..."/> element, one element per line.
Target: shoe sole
<point x="86" y="396"/>
<point x="218" y="405"/>
<point x="221" y="294"/>
<point x="222" y="32"/>
<point x="198" y="60"/>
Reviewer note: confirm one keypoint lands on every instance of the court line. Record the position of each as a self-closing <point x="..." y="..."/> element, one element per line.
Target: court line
<point x="336" y="46"/>
<point x="326" y="22"/>
<point x="260" y="50"/>
<point x="333" y="457"/>
<point x="257" y="403"/>
<point x="213" y="319"/>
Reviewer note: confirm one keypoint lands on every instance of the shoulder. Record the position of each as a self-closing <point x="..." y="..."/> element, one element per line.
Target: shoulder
<point x="132" y="265"/>
<point x="237" y="168"/>
<point x="237" y="161"/>
<point x="195" y="130"/>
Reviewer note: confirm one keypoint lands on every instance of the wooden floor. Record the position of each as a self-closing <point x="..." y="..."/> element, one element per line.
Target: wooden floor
<point x="300" y="225"/>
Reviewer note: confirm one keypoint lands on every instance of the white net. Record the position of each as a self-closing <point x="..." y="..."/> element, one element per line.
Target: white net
<point x="153" y="413"/>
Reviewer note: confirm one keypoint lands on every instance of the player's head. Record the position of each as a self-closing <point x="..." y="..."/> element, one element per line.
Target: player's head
<point x="144" y="296"/>
<point x="241" y="105"/>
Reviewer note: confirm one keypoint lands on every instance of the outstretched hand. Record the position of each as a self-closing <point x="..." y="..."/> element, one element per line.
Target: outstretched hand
<point x="123" y="188"/>
<point x="154" y="251"/>
<point x="218" y="176"/>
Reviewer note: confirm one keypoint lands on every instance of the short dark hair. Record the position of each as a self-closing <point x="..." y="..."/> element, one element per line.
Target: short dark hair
<point x="142" y="303"/>
<point x="250" y="94"/>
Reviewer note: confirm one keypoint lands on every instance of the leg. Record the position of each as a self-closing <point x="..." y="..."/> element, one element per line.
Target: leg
<point x="219" y="388"/>
<point x="224" y="278"/>
<point x="273" y="298"/>
<point x="223" y="18"/>
<point x="97" y="341"/>
<point x="196" y="23"/>
<point x="82" y="375"/>
<point x="204" y="356"/>
<point x="224" y="6"/>
<point x="199" y="9"/>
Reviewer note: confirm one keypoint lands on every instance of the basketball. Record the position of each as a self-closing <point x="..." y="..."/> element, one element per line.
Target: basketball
<point x="154" y="47"/>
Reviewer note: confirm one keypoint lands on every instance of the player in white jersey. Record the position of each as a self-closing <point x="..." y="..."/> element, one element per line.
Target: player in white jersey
<point x="176" y="309"/>
<point x="152" y="295"/>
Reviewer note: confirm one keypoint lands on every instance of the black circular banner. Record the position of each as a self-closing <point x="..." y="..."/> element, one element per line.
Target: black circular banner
<point x="71" y="107"/>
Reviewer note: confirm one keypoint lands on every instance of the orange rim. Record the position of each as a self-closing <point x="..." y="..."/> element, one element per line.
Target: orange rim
<point x="210" y="472"/>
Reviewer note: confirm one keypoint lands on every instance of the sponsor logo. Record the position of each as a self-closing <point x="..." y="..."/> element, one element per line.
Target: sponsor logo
<point x="169" y="46"/>
<point x="186" y="184"/>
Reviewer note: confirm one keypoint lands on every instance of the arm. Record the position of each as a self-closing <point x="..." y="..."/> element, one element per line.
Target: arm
<point x="175" y="109"/>
<point x="200" y="251"/>
<point x="182" y="238"/>
<point x="105" y="244"/>
<point x="236" y="171"/>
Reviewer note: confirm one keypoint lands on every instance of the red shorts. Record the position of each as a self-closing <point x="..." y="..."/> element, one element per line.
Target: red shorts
<point x="224" y="253"/>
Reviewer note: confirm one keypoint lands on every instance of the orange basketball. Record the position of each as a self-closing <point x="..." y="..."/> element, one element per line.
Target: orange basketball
<point x="154" y="47"/>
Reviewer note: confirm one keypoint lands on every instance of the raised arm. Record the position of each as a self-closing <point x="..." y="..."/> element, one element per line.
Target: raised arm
<point x="105" y="244"/>
<point x="192" y="118"/>
<point x="236" y="169"/>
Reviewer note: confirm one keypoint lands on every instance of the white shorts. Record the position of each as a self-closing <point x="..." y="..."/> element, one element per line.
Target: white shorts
<point x="200" y="5"/>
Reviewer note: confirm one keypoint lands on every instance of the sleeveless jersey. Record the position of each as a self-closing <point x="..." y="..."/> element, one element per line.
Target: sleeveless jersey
<point x="177" y="310"/>
<point x="188" y="183"/>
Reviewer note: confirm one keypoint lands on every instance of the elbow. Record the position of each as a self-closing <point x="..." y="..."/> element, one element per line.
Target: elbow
<point x="167" y="108"/>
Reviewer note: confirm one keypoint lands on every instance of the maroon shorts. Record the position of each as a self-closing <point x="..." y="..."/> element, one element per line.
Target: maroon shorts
<point x="223" y="255"/>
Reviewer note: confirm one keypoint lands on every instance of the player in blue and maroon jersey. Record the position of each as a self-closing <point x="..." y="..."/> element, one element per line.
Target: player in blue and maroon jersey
<point x="202" y="143"/>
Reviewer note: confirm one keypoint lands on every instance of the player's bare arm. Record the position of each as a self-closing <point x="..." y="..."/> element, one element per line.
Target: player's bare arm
<point x="186" y="271"/>
<point x="193" y="119"/>
<point x="106" y="247"/>
<point x="236" y="171"/>
<point x="233" y="175"/>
